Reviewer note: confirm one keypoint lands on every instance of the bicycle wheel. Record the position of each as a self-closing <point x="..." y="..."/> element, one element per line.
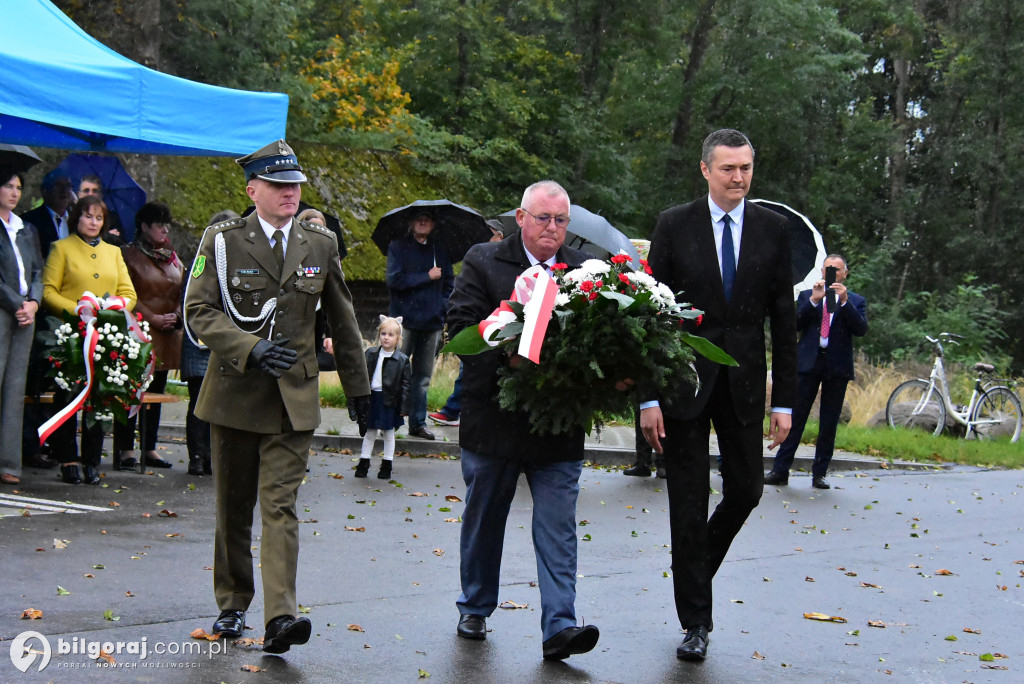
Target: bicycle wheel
<point x="916" y="405"/>
<point x="998" y="415"/>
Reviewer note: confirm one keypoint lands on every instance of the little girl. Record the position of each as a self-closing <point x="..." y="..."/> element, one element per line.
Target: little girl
<point x="390" y="373"/>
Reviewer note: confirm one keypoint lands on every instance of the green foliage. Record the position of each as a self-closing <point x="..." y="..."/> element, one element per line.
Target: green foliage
<point x="902" y="445"/>
<point x="972" y="310"/>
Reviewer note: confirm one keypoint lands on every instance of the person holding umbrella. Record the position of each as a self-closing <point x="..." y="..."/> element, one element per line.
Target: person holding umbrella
<point x="419" y="279"/>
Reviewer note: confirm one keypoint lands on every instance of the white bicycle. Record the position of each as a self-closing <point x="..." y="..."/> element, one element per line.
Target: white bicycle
<point x="993" y="413"/>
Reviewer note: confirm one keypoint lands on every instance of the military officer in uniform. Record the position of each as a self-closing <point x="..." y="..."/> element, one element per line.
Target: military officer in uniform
<point x="251" y="298"/>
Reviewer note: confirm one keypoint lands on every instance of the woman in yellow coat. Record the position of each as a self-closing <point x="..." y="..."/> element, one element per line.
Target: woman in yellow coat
<point x="79" y="263"/>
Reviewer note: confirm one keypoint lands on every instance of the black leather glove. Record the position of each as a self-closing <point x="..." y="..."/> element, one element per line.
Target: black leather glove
<point x="273" y="357"/>
<point x="359" y="410"/>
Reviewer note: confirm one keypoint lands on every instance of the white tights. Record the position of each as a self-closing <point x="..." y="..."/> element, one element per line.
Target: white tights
<point x="389" y="443"/>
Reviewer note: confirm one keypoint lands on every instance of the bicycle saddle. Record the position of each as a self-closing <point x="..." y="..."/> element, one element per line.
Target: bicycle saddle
<point x="984" y="367"/>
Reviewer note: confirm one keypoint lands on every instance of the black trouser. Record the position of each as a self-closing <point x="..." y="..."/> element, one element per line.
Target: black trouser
<point x="699" y="544"/>
<point x="124" y="435"/>
<point x="197" y="430"/>
<point x="65" y="450"/>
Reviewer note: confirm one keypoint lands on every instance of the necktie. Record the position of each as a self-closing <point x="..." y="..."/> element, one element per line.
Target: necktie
<point x="826" y="323"/>
<point x="279" y="248"/>
<point x="728" y="257"/>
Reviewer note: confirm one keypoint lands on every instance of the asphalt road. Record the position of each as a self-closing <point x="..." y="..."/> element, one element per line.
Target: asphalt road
<point x="379" y="577"/>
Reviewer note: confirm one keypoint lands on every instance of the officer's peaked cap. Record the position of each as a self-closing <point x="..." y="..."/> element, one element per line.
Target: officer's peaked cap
<point x="275" y="162"/>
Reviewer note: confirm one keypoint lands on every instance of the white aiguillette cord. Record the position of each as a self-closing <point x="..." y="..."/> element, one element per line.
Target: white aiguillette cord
<point x="269" y="307"/>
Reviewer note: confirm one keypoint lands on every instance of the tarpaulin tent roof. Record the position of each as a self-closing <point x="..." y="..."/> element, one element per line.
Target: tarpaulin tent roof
<point x="64" y="89"/>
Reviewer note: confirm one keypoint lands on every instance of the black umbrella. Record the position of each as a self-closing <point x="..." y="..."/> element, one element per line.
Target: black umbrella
<point x="456" y="227"/>
<point x="806" y="246"/>
<point x="587" y="231"/>
<point x="17" y="157"/>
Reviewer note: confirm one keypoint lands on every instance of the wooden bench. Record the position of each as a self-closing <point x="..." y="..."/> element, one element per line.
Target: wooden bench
<point x="147" y="398"/>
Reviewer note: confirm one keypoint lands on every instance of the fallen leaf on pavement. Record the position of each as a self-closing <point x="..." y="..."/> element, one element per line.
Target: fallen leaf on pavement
<point x="173" y="534"/>
<point x="355" y="628"/>
<point x="417" y="494"/>
<point x="453" y="498"/>
<point x="147" y="515"/>
<point x="851" y="573"/>
<point x="757" y="656"/>
<point x="943" y="571"/>
<point x="972" y="631"/>
<point x="824" y="618"/>
<point x="876" y="623"/>
<point x="106" y="656"/>
<point x="61" y="591"/>
<point x="354" y="529"/>
<point x="512" y="605"/>
<point x="337" y="476"/>
<point x="438" y="552"/>
<point x="31" y="614"/>
<point x="869" y="584"/>
<point x="200" y="633"/>
<point x="114" y="504"/>
<point x="251" y="668"/>
<point x="248" y="642"/>
<point x="167" y="514"/>
<point x="451" y="520"/>
<point x="60" y="543"/>
<point x="808" y="579"/>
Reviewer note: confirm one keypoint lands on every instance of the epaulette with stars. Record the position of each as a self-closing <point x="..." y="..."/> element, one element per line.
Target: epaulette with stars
<point x="316" y="227"/>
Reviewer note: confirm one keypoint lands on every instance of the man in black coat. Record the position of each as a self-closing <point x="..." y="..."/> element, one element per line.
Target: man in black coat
<point x="825" y="359"/>
<point x="51" y="217"/>
<point x="730" y="259"/>
<point x="497" y="445"/>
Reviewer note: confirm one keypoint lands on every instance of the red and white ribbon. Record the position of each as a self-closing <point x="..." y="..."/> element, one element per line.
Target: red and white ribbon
<point x="536" y="291"/>
<point x="89" y="306"/>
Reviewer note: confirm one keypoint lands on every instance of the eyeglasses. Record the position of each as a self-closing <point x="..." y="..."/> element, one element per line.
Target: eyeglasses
<point x="543" y="219"/>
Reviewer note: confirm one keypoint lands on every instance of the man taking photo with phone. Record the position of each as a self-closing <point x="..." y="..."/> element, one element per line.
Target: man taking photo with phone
<point x="827" y="318"/>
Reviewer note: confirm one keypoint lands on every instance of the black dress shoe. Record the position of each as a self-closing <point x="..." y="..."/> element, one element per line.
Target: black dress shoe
<point x="695" y="645"/>
<point x="819" y="482"/>
<point x="422" y="432"/>
<point x="39" y="461"/>
<point x="472" y="627"/>
<point x="230" y="623"/>
<point x="126" y="463"/>
<point x="151" y="462"/>
<point x="285" y="631"/>
<point x="571" y="641"/>
<point x="662" y="473"/>
<point x="363" y="467"/>
<point x="639" y="470"/>
<point x="195" y="465"/>
<point x="773" y="477"/>
<point x="89" y="475"/>
<point x="71" y="474"/>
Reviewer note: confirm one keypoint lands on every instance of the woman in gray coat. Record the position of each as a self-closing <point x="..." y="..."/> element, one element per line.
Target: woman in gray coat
<point x="21" y="290"/>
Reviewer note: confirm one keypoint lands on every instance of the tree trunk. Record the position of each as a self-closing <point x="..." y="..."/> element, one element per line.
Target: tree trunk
<point x="698" y="44"/>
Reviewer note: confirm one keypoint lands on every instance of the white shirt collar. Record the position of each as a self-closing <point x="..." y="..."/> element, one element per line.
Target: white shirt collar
<point x="534" y="260"/>
<point x="269" y="230"/>
<point x="717" y="212"/>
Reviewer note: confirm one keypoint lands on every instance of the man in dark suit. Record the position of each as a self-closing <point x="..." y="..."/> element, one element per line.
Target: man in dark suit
<point x="51" y="217"/>
<point x="825" y="359"/>
<point x="730" y="259"/>
<point x="251" y="298"/>
<point x="497" y="445"/>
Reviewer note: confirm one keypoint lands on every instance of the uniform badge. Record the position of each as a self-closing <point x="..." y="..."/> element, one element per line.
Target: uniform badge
<point x="256" y="298"/>
<point x="237" y="298"/>
<point x="198" y="266"/>
<point x="312" y="271"/>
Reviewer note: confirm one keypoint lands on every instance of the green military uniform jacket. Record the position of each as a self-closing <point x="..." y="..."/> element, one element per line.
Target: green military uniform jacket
<point x="243" y="397"/>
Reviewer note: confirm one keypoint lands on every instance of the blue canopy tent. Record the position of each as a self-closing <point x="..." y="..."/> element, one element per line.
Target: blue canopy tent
<point x="64" y="89"/>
